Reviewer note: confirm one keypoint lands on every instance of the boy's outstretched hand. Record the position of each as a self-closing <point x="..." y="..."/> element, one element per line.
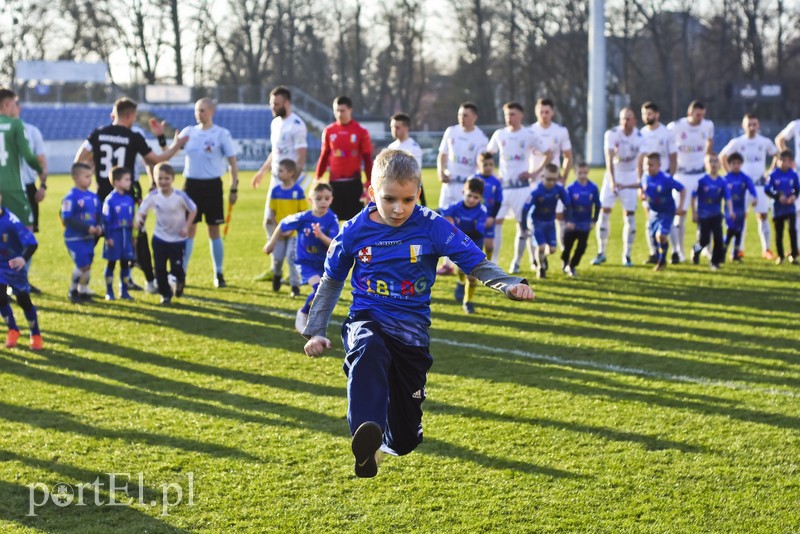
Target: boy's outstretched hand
<point x="316" y="346"/>
<point x="519" y="292"/>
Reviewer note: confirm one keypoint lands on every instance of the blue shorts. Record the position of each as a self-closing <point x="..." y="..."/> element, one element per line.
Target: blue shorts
<point x="123" y="245"/>
<point x="489" y="232"/>
<point x="736" y="225"/>
<point x="16" y="280"/>
<point x="308" y="271"/>
<point x="661" y="223"/>
<point x="385" y="382"/>
<point x="81" y="252"/>
<point x="544" y="233"/>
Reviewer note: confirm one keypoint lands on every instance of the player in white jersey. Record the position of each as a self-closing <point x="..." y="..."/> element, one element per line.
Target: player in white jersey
<point x="694" y="138"/>
<point x="624" y="149"/>
<point x="556" y="137"/>
<point x="656" y="139"/>
<point x="792" y="131"/>
<point x="756" y="151"/>
<point x="400" y="126"/>
<point x="288" y="140"/>
<point x="458" y="160"/>
<point x="515" y="146"/>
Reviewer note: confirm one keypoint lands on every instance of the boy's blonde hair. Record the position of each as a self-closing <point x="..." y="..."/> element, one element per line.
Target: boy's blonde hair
<point x="395" y="166"/>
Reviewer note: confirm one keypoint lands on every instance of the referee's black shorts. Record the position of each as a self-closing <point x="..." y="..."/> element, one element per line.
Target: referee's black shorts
<point x="207" y="194"/>
<point x="347" y="197"/>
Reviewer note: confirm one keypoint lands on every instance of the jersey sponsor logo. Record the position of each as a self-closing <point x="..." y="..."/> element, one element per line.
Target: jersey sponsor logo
<point x="365" y="255"/>
<point x="389" y="243"/>
<point x="414" y="253"/>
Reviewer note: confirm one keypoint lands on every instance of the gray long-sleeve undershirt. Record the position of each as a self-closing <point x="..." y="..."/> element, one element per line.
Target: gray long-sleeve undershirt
<point x="329" y="291"/>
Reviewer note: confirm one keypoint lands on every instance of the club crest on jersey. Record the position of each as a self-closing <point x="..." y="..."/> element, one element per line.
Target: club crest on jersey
<point x="80" y="203"/>
<point x="353" y="138"/>
<point x="333" y="137"/>
<point x="365" y="255"/>
<point x="414" y="252"/>
<point x="5" y="238"/>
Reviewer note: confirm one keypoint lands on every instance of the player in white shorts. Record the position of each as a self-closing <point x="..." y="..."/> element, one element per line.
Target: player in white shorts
<point x="515" y="146"/>
<point x="694" y="138"/>
<point x="659" y="140"/>
<point x="458" y="160"/>
<point x="792" y="131"/>
<point x="756" y="151"/>
<point x="556" y="138"/>
<point x="624" y="149"/>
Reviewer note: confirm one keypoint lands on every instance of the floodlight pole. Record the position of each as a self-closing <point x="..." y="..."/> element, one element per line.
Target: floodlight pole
<point x="597" y="83"/>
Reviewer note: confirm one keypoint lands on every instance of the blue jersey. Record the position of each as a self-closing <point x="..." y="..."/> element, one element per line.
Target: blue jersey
<point x="658" y="190"/>
<point x="310" y="250"/>
<point x="782" y="185"/>
<point x="80" y="210"/>
<point x="711" y="192"/>
<point x="117" y="212"/>
<point x="471" y="221"/>
<point x="14" y="238"/>
<point x="542" y="202"/>
<point x="492" y="193"/>
<point x="739" y="184"/>
<point x="395" y="268"/>
<point x="584" y="201"/>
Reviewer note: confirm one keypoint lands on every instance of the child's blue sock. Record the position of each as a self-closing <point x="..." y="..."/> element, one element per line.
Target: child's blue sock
<point x="8" y="316"/>
<point x="662" y="252"/>
<point x="124" y="279"/>
<point x="33" y="320"/>
<point x="307" y="306"/>
<point x="109" y="279"/>
<point x="187" y="254"/>
<point x="217" y="253"/>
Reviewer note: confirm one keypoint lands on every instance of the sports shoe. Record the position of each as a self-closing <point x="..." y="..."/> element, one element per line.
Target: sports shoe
<point x="541" y="272"/>
<point x="179" y="287"/>
<point x="652" y="259"/>
<point x="110" y="296"/>
<point x="469" y="308"/>
<point x="36" y="342"/>
<point x="714" y="267"/>
<point x="626" y="261"/>
<point x="792" y="259"/>
<point x="736" y="257"/>
<point x="219" y="281"/>
<point x="600" y="259"/>
<point x="695" y="256"/>
<point x="676" y="258"/>
<point x="276" y="283"/>
<point x="151" y="287"/>
<point x="366" y="443"/>
<point x="86" y="295"/>
<point x="124" y="295"/>
<point x="570" y="270"/>
<point x="11" y="339"/>
<point x="660" y="266"/>
<point x="740" y="254"/>
<point x="172" y="280"/>
<point x="768" y="255"/>
<point x="458" y="293"/>
<point x="445" y="270"/>
<point x="295" y="292"/>
<point x="300" y="321"/>
<point x="266" y="276"/>
<point x="166" y="301"/>
<point x="514" y="269"/>
<point x="34" y="290"/>
<point x="74" y="297"/>
<point x="133" y="286"/>
<point x="778" y="261"/>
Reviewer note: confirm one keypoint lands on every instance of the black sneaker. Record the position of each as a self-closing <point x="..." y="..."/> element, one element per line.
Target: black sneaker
<point x="695" y="256"/>
<point x="676" y="259"/>
<point x="166" y="301"/>
<point x="295" y="292"/>
<point x="276" y="283"/>
<point x="652" y="259"/>
<point x="133" y="286"/>
<point x="366" y="442"/>
<point x="179" y="287"/>
<point x="219" y="281"/>
<point x="34" y="290"/>
<point x="74" y="297"/>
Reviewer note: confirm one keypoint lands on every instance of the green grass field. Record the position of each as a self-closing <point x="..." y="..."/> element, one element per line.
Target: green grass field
<point x="620" y="401"/>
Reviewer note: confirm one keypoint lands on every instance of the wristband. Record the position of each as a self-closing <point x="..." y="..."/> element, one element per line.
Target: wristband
<point x="162" y="141"/>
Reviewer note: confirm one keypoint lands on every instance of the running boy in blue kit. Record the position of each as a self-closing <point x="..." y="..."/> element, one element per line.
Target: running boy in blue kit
<point x="392" y="246"/>
<point x="739" y="184"/>
<point x="584" y="202"/>
<point x="118" y="229"/>
<point x="657" y="189"/>
<point x="286" y="199"/>
<point x="172" y="229"/>
<point x="81" y="214"/>
<point x="17" y="245"/>
<point x="711" y="193"/>
<point x="315" y="229"/>
<point x="539" y="214"/>
<point x="492" y="199"/>
<point x="783" y="187"/>
<point x="469" y="216"/>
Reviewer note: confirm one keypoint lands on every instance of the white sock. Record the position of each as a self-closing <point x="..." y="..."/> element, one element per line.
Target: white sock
<point x="629" y="234"/>
<point x="519" y="247"/>
<point x="764" y="232"/>
<point x="75" y="280"/>
<point x="498" y="240"/>
<point x="651" y="247"/>
<point x="603" y="230"/>
<point x="680" y="232"/>
<point x="560" y="234"/>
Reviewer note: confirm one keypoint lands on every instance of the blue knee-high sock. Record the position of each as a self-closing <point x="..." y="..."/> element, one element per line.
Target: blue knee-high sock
<point x="124" y="277"/>
<point x="109" y="278"/>
<point x="8" y="316"/>
<point x="307" y="306"/>
<point x="217" y="253"/>
<point x="662" y="252"/>
<point x="187" y="254"/>
<point x="33" y="320"/>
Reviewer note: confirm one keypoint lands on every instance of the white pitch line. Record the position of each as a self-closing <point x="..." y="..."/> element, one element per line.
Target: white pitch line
<point x="702" y="381"/>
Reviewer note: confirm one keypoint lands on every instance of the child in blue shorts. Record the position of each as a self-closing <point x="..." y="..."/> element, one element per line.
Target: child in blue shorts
<point x="539" y="214"/>
<point x="492" y="199"/>
<point x="81" y="214"/>
<point x="392" y="247"/>
<point x="315" y="228"/>
<point x="469" y="216"/>
<point x="739" y="184"/>
<point x="118" y="212"/>
<point x="16" y="248"/>
<point x="707" y="200"/>
<point x="783" y="186"/>
<point x="656" y="189"/>
<point x="584" y="204"/>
